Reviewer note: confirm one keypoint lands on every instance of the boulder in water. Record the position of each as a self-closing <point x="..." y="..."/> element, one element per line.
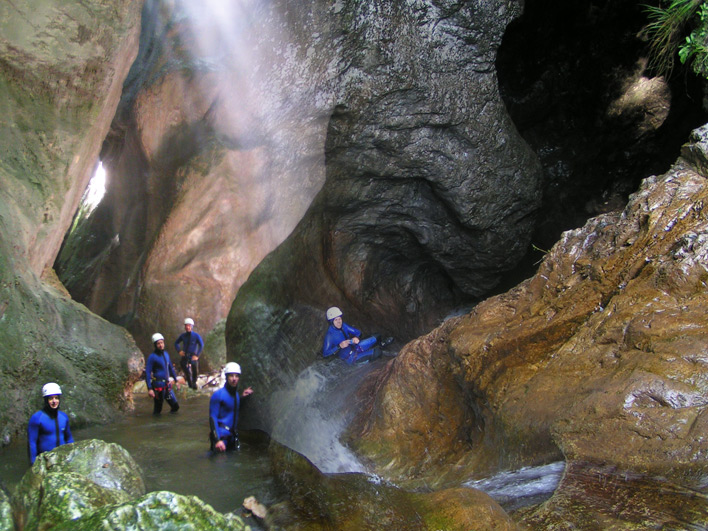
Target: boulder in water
<point x="157" y="510"/>
<point x="357" y="501"/>
<point x="74" y="479"/>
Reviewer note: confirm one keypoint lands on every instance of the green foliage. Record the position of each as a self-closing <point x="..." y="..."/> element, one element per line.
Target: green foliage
<point x="694" y="51"/>
<point x="679" y="29"/>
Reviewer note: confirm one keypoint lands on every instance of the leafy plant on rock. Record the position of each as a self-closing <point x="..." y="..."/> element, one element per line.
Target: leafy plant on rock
<point x="678" y="28"/>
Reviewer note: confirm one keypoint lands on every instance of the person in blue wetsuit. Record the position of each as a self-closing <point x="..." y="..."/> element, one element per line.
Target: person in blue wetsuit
<point x="189" y="351"/>
<point x="223" y="411"/>
<point x="49" y="427"/>
<point x="158" y="370"/>
<point x="344" y="340"/>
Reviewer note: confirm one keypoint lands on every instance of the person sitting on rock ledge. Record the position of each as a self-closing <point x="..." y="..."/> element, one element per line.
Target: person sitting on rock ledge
<point x="49" y="427"/>
<point x="158" y="370"/>
<point x="224" y="406"/>
<point x="344" y="340"/>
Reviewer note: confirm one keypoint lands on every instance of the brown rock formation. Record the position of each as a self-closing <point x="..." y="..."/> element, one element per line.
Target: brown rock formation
<point x="600" y="357"/>
<point x="213" y="158"/>
<point x="61" y="72"/>
<point x="355" y="502"/>
<point x="420" y="210"/>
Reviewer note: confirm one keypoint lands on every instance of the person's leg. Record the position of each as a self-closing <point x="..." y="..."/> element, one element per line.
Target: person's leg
<point x="366" y="344"/>
<point x="233" y="444"/>
<point x="157" y="407"/>
<point x="186" y="369"/>
<point x="172" y="401"/>
<point x="195" y="373"/>
<point x="368" y="355"/>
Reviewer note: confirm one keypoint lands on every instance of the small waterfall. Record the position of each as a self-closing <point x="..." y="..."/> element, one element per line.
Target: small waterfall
<point x="517" y="488"/>
<point x="310" y="416"/>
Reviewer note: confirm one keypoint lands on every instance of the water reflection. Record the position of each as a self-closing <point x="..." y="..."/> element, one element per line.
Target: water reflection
<point x="173" y="453"/>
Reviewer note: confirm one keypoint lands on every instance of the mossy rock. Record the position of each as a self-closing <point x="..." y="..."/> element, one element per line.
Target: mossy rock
<point x="66" y="496"/>
<point x="157" y="511"/>
<point x="106" y="464"/>
<point x="6" y="521"/>
<point x="96" y="472"/>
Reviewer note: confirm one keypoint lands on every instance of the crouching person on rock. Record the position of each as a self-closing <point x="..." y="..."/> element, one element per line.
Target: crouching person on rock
<point x="223" y="411"/>
<point x="343" y="340"/>
<point x="49" y="427"/>
<point x="158" y="370"/>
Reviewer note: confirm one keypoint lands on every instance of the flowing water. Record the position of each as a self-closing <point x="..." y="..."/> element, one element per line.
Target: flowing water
<point x="173" y="452"/>
<point x="173" y="449"/>
<point x="513" y="489"/>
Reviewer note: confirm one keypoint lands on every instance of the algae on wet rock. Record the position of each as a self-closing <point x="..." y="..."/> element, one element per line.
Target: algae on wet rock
<point x="157" y="511"/>
<point x="77" y="466"/>
<point x="64" y="496"/>
<point x="7" y="523"/>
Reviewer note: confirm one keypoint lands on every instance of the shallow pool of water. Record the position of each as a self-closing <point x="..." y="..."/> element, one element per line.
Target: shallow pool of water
<point x="173" y="452"/>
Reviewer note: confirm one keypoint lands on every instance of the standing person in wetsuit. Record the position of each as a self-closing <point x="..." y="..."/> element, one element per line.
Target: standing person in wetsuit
<point x="158" y="370"/>
<point x="223" y="411"/>
<point x="344" y="340"/>
<point x="49" y="427"/>
<point x="192" y="346"/>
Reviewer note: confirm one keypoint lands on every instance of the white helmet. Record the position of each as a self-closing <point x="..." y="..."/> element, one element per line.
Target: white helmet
<point x="232" y="368"/>
<point x="157" y="336"/>
<point x="51" y="389"/>
<point x="333" y="313"/>
<point x="189" y="320"/>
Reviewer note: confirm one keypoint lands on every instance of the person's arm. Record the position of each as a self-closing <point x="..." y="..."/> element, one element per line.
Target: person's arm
<point x="170" y="368"/>
<point x="68" y="438"/>
<point x="180" y="339"/>
<point x="331" y="344"/>
<point x="149" y="367"/>
<point x="148" y="372"/>
<point x="32" y="436"/>
<point x="214" y="407"/>
<point x="353" y="332"/>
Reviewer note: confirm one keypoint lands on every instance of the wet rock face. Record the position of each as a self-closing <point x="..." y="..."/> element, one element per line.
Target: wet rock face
<point x="576" y="75"/>
<point x="61" y="72"/>
<point x="355" y="501"/>
<point x="221" y="143"/>
<point x="591" y="496"/>
<point x="600" y="357"/>
<point x="213" y="158"/>
<point x="74" y="480"/>
<point x="429" y="194"/>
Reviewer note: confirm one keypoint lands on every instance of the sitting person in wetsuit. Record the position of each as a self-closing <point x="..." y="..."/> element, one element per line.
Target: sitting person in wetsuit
<point x="344" y="340"/>
<point x="49" y="427"/>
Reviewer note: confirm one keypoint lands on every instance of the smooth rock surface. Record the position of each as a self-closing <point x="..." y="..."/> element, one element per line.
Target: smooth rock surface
<point x="356" y="501"/>
<point x="429" y="193"/>
<point x="600" y="358"/>
<point x="61" y="76"/>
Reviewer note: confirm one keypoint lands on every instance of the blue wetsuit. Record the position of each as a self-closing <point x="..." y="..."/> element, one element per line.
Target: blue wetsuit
<point x="192" y="344"/>
<point x="43" y="435"/>
<point x="223" y="415"/>
<point x="158" y="369"/>
<point x="351" y="353"/>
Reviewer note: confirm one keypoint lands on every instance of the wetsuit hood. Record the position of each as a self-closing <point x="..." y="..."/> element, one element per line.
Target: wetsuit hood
<point x="48" y="409"/>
